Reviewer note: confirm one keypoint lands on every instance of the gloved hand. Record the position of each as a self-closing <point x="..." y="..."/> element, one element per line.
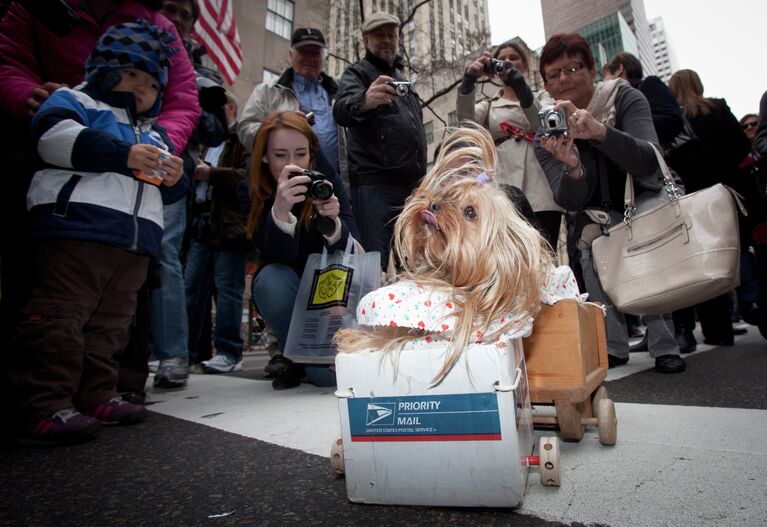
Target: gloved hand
<point x="516" y="80"/>
<point x="467" y="83"/>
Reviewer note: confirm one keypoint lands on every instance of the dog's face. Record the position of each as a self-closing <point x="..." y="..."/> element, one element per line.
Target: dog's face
<point x="457" y="232"/>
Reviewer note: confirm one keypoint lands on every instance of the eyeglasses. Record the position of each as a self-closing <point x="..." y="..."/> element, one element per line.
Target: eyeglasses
<point x="571" y="69"/>
<point x="171" y="9"/>
<point x="750" y="124"/>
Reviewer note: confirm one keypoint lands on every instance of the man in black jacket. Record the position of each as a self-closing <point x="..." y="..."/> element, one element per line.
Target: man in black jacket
<point x="386" y="138"/>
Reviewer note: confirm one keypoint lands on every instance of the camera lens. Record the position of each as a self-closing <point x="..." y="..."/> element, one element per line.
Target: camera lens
<point x="325" y="225"/>
<point x="401" y="90"/>
<point x="320" y="190"/>
<point x="553" y="120"/>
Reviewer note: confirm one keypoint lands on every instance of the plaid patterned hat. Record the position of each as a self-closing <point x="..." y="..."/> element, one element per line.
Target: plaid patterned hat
<point x="139" y="45"/>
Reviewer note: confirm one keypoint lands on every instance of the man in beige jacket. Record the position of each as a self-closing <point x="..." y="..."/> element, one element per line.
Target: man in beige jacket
<point x="301" y="88"/>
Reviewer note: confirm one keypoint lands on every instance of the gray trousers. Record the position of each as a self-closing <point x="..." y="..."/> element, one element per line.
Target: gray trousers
<point x="660" y="328"/>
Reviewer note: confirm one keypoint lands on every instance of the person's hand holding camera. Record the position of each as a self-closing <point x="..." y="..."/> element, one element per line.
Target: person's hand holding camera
<point x="479" y="67"/>
<point x="329" y="208"/>
<point x="581" y="123"/>
<point x="290" y="190"/>
<point x="378" y="93"/>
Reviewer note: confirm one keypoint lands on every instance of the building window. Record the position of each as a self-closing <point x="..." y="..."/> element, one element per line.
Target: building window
<point x="429" y="129"/>
<point x="279" y="17"/>
<point x="452" y="119"/>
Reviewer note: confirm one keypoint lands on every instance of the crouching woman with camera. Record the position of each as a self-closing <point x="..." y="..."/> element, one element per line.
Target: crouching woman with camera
<point x="596" y="136"/>
<point x="291" y="213"/>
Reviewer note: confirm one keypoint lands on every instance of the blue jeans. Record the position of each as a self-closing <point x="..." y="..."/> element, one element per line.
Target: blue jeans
<point x="274" y="291"/>
<point x="376" y="208"/>
<point x="206" y="267"/>
<point x="167" y="304"/>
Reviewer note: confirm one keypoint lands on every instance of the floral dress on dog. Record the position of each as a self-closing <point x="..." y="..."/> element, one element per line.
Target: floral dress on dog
<point x="408" y="304"/>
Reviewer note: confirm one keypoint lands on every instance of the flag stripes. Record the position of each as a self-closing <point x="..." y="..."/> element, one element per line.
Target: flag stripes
<point x="216" y="30"/>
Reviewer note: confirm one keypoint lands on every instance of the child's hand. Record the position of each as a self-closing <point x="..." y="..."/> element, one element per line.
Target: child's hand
<point x="171" y="169"/>
<point x="145" y="158"/>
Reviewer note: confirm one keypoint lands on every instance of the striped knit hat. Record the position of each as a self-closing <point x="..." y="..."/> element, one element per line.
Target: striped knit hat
<point x="139" y="45"/>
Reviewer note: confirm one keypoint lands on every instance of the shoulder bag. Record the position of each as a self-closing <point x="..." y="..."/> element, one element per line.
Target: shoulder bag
<point x="674" y="255"/>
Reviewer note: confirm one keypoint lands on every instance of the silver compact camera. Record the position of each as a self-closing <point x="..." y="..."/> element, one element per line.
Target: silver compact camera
<point x="496" y="67"/>
<point x="553" y="122"/>
<point x="401" y="87"/>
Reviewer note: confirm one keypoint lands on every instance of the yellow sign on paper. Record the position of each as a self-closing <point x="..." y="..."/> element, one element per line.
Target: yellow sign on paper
<point x="330" y="287"/>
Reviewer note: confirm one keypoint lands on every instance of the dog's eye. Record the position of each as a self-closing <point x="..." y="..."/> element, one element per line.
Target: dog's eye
<point x="470" y="213"/>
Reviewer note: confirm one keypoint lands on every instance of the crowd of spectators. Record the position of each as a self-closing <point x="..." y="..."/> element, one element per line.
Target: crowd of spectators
<point x="143" y="195"/>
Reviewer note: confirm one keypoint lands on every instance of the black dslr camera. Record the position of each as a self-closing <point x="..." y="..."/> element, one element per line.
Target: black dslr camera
<point x="496" y="67"/>
<point x="401" y="87"/>
<point x="317" y="188"/>
<point x="554" y="122"/>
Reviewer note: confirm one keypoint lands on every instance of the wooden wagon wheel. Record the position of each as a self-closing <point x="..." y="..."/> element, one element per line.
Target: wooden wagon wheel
<point x="337" y="457"/>
<point x="569" y="419"/>
<point x="600" y="394"/>
<point x="548" y="450"/>
<point x="607" y="423"/>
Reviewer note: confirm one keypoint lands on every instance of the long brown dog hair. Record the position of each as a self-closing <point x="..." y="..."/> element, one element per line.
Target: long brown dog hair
<point x="483" y="252"/>
<point x="261" y="184"/>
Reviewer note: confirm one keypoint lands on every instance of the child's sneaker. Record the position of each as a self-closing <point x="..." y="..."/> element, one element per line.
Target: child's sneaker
<point x="221" y="363"/>
<point x="66" y="426"/>
<point x="118" y="412"/>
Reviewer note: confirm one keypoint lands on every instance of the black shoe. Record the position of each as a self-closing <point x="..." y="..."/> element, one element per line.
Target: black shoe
<point x="289" y="377"/>
<point x="639" y="346"/>
<point x="686" y="340"/>
<point x="670" y="364"/>
<point x="613" y="361"/>
<point x="276" y="365"/>
<point x="739" y="331"/>
<point x="719" y="341"/>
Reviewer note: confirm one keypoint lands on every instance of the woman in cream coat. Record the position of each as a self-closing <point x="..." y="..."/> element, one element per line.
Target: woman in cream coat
<point x="511" y="117"/>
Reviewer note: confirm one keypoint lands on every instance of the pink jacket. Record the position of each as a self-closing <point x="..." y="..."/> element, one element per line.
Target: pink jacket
<point x="31" y="55"/>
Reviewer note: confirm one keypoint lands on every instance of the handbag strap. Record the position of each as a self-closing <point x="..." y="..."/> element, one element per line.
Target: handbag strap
<point x="348" y="250"/>
<point x="629" y="205"/>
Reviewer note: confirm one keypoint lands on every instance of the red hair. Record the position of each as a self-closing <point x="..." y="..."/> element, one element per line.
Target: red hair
<point x="565" y="44"/>
<point x="261" y="184"/>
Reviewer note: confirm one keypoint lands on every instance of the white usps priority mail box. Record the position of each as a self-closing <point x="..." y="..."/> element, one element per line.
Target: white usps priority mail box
<point x="463" y="442"/>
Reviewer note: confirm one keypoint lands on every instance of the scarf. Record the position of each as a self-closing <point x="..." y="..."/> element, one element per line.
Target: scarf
<point x="602" y="104"/>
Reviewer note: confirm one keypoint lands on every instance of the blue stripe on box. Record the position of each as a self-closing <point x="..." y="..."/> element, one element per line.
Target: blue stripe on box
<point x="455" y="417"/>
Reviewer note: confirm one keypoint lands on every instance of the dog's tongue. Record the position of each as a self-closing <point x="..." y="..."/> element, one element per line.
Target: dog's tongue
<point x="429" y="217"/>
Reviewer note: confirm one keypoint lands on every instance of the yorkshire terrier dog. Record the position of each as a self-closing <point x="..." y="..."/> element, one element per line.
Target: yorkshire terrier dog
<point x="472" y="269"/>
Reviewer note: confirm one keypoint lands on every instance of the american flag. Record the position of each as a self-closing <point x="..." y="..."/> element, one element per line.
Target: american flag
<point x="216" y="30"/>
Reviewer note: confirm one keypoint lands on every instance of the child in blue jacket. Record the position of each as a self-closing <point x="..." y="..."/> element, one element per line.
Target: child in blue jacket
<point x="96" y="215"/>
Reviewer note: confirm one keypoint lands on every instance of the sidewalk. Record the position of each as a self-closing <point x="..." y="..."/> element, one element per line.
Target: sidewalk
<point x="232" y="444"/>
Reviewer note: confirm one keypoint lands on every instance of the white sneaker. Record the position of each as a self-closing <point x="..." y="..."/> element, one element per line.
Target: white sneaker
<point x="221" y="363"/>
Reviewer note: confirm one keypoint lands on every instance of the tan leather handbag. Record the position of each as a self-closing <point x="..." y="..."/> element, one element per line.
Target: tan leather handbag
<point x="674" y="255"/>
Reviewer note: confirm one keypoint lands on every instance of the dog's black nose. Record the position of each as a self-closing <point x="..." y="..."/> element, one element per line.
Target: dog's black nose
<point x="434" y="207"/>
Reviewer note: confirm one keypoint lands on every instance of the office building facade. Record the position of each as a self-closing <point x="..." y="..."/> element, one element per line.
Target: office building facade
<point x="609" y="26"/>
<point x="665" y="58"/>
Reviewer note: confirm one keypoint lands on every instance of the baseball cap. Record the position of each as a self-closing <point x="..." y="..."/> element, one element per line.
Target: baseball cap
<point x="377" y="20"/>
<point x="307" y="36"/>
